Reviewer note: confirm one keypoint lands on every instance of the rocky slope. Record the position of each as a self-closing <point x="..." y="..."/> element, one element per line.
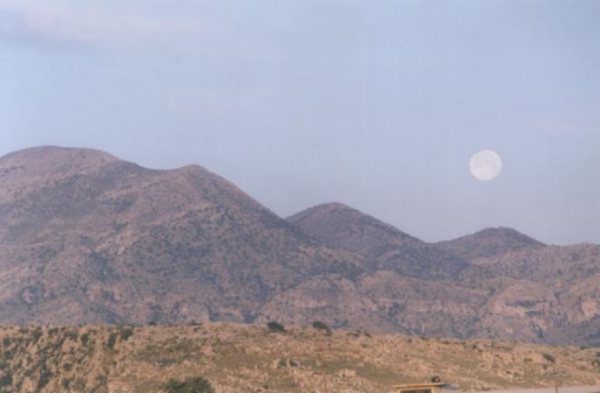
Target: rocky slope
<point x="249" y="358"/>
<point x="508" y="285"/>
<point x="88" y="238"/>
<point x="85" y="237"/>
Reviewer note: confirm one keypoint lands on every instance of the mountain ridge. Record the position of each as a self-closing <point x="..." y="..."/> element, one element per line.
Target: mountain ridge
<point x="88" y="238"/>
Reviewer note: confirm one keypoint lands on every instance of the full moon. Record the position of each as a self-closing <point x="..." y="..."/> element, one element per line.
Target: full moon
<point x="485" y="165"/>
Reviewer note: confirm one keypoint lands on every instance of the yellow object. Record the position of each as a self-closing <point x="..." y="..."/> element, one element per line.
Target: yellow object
<point x="431" y="387"/>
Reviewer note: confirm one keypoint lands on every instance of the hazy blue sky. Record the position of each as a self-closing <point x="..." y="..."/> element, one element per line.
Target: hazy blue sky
<point x="377" y="104"/>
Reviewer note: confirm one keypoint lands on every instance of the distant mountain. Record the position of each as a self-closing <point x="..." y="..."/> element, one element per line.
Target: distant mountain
<point x="488" y="242"/>
<point x="88" y="238"/>
<point x="382" y="245"/>
<point x="548" y="294"/>
<point x="342" y="226"/>
<point x="497" y="282"/>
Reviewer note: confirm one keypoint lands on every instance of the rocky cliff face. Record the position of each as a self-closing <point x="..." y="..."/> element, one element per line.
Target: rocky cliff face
<point x="88" y="238"/>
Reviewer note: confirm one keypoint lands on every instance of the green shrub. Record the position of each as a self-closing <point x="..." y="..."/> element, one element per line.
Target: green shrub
<point x="190" y="385"/>
<point x="36" y="334"/>
<point x="275" y="327"/>
<point x="66" y="382"/>
<point x="112" y="340"/>
<point x="78" y="384"/>
<point x="71" y="335"/>
<point x="125" y="332"/>
<point x="321" y="326"/>
<point x="549" y="357"/>
<point x="6" y="380"/>
<point x="45" y="376"/>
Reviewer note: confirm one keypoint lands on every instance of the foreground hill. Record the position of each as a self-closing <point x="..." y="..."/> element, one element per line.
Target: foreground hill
<point x="249" y="358"/>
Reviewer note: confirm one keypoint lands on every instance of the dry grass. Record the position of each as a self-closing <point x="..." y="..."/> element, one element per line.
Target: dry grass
<point x="242" y="358"/>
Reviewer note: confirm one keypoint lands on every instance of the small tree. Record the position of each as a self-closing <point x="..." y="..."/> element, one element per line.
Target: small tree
<point x="190" y="385"/>
<point x="275" y="327"/>
<point x="6" y="380"/>
<point x="322" y="326"/>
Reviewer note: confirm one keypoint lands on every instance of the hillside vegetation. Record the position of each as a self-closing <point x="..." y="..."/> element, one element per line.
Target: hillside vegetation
<point x="252" y="358"/>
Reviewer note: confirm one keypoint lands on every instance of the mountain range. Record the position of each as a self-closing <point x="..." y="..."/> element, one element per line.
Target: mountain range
<point x="88" y="238"/>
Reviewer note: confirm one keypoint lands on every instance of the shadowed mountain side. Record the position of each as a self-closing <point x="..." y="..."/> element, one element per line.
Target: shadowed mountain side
<point x="383" y="300"/>
<point x="343" y="226"/>
<point x="382" y="245"/>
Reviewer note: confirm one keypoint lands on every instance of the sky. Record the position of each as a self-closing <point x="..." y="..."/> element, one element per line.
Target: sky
<point x="376" y="104"/>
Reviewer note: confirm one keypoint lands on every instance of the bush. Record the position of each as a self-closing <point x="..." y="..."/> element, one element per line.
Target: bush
<point x="36" y="334"/>
<point x="190" y="385"/>
<point x="71" y="335"/>
<point x="321" y="326"/>
<point x="125" y="332"/>
<point x="112" y="340"/>
<point x="549" y="357"/>
<point x="275" y="327"/>
<point x="6" y="380"/>
<point x="66" y="382"/>
<point x="45" y="376"/>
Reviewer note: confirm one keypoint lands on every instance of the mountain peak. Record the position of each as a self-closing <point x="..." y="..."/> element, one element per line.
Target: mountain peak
<point x="503" y="231"/>
<point x="506" y="233"/>
<point x="488" y="242"/>
<point x="50" y="154"/>
<point x="326" y="208"/>
<point x="36" y="168"/>
<point x="342" y="225"/>
<point x="334" y="205"/>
